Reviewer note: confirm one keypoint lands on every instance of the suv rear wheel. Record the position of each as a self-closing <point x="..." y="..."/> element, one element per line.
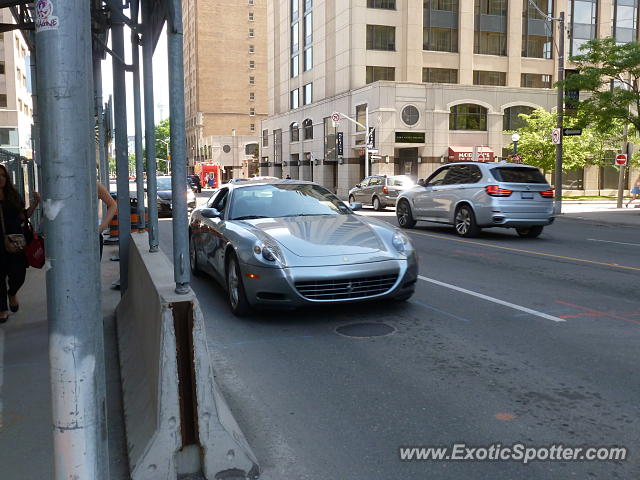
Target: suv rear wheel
<point x="404" y="216"/>
<point x="465" y="222"/>
<point x="530" y="232"/>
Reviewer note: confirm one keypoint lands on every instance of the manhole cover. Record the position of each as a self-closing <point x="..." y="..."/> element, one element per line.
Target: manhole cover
<point x="366" y="329"/>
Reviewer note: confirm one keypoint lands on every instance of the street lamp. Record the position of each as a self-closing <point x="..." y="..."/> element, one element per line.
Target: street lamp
<point x="168" y="144"/>
<point x="514" y="138"/>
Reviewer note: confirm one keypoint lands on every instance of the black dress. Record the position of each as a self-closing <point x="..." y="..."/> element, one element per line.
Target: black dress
<point x="12" y="224"/>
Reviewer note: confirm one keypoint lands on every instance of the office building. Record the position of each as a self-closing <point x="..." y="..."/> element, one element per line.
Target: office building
<point x="443" y="80"/>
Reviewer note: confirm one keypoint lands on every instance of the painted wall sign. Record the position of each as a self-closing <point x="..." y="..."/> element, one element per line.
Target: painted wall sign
<point x="45" y="20"/>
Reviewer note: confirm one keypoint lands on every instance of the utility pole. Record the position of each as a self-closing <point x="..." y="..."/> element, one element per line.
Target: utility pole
<point x="137" y="115"/>
<point x="560" y="112"/>
<point x="366" y="142"/>
<point x="74" y="314"/>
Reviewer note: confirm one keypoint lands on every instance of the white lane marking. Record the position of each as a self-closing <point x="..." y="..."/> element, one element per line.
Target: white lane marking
<point x="492" y="299"/>
<point x="610" y="241"/>
<point x="1" y="371"/>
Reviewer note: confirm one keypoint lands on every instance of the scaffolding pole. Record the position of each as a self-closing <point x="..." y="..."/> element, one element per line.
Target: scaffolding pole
<point x="137" y="115"/>
<point x="97" y="88"/>
<point x="73" y="282"/>
<point x="122" y="157"/>
<point x="181" y="271"/>
<point x="149" y="125"/>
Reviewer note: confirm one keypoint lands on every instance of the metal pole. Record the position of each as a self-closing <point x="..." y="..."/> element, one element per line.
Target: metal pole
<point x="560" y="112"/>
<point x="107" y="117"/>
<point x="149" y="126"/>
<point x="366" y="142"/>
<point x="137" y="114"/>
<point x="628" y="149"/>
<point x="73" y="281"/>
<point x="178" y="149"/>
<point x="97" y="88"/>
<point x="515" y="147"/>
<point x="122" y="159"/>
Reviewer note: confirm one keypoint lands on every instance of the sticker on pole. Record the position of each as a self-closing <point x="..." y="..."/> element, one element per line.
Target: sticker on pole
<point x="556" y="135"/>
<point x="621" y="159"/>
<point x="45" y="20"/>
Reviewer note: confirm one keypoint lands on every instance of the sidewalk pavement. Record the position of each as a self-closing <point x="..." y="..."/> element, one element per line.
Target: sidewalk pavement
<point x="601" y="212"/>
<point x="26" y="442"/>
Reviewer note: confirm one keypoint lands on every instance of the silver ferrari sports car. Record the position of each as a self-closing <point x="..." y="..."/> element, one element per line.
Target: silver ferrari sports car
<point x="290" y="243"/>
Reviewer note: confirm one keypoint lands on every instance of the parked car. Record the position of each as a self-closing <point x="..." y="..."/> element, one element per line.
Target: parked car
<point x="471" y="196"/>
<point x="164" y="195"/>
<point x="286" y="244"/>
<point x="380" y="191"/>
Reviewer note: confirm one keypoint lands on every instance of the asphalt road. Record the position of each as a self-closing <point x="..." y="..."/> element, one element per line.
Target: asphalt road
<point x="506" y="340"/>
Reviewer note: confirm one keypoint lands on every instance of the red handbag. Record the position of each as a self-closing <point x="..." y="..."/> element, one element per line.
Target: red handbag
<point x="34" y="252"/>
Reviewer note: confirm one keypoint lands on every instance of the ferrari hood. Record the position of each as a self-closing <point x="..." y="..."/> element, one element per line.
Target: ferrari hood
<point x="322" y="236"/>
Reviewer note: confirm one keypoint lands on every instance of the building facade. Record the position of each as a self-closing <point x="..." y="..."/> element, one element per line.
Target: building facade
<point x="442" y="80"/>
<point x="225" y="69"/>
<point x="16" y="108"/>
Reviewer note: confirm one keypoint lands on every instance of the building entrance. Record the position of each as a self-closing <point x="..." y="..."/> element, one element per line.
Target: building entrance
<point x="409" y="162"/>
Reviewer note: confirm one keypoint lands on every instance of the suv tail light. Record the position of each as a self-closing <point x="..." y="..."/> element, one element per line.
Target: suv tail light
<point x="385" y="190"/>
<point x="547" y="193"/>
<point x="496" y="191"/>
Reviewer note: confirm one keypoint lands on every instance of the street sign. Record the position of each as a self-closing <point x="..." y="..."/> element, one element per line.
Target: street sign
<point x="621" y="159"/>
<point x="567" y="132"/>
<point x="555" y="136"/>
<point x="375" y="157"/>
<point x="373" y="151"/>
<point x="335" y="117"/>
<point x="340" y="143"/>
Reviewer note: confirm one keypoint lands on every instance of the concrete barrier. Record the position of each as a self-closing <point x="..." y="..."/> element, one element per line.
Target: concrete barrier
<point x="176" y="419"/>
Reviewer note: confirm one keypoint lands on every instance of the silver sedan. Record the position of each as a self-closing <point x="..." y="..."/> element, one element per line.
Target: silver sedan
<point x="288" y="244"/>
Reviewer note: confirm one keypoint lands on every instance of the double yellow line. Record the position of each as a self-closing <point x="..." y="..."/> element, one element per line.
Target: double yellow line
<point x="530" y="252"/>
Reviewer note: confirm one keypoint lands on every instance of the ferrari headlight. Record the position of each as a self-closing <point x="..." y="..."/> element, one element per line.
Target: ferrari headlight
<point x="269" y="253"/>
<point x="401" y="243"/>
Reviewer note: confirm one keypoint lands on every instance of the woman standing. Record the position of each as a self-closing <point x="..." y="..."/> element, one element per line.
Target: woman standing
<point x="13" y="266"/>
<point x="635" y="191"/>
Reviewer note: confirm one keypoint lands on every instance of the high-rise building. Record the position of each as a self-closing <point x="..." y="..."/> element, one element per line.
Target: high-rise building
<point x="442" y="80"/>
<point x="225" y="69"/>
<point x="16" y="109"/>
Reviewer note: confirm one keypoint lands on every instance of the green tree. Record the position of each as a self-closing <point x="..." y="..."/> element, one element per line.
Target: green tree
<point x="536" y="148"/>
<point x="162" y="135"/>
<point x="609" y="74"/>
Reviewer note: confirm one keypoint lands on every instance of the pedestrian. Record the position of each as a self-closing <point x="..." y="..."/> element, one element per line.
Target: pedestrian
<point x="211" y="180"/>
<point x="635" y="191"/>
<point x="288" y="177"/>
<point x="13" y="265"/>
<point x="112" y="209"/>
<point x="196" y="180"/>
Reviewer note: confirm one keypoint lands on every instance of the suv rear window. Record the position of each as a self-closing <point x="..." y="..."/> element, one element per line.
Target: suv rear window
<point x="518" y="175"/>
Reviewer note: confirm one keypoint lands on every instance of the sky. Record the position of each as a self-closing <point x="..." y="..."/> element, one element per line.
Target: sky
<point x="160" y="81"/>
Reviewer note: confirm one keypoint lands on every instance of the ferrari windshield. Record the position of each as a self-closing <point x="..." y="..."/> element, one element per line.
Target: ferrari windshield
<point x="284" y="200"/>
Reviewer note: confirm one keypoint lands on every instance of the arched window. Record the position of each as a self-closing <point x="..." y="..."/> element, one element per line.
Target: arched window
<point x="468" y="117"/>
<point x="294" y="132"/>
<point x="307" y="127"/>
<point x="511" y="119"/>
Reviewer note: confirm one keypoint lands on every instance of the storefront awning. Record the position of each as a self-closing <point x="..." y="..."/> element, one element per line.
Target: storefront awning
<point x="465" y="154"/>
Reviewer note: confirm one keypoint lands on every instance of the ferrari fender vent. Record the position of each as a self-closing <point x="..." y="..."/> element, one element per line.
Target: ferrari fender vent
<point x="346" y="288"/>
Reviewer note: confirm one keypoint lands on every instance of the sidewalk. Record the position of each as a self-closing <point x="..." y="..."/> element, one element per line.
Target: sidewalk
<point x="601" y="212"/>
<point x="26" y="445"/>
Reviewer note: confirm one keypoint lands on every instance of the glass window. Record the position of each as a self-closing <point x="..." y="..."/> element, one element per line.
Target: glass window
<point x="438" y="177"/>
<point x="380" y="73"/>
<point x="295" y="35"/>
<point x="294" y="10"/>
<point x="461" y="174"/>
<point x="468" y="117"/>
<point x="330" y="151"/>
<point x="511" y="119"/>
<point x="482" y="77"/>
<point x="518" y="175"/>
<point x="308" y="94"/>
<point x="535" y="80"/>
<point x="440" y="25"/>
<point x="410" y="115"/>
<point x="490" y="43"/>
<point x="490" y="25"/>
<point x="361" y="118"/>
<point x="3" y="100"/>
<point x="265" y="138"/>
<point x="307" y="128"/>
<point x="295" y="99"/>
<point x="294" y="132"/>
<point x="439" y="75"/>
<point x="491" y="7"/>
<point x="308" y="29"/>
<point x="2" y="68"/>
<point x="536" y="30"/>
<point x="295" y="66"/>
<point x="388" y="4"/>
<point x="277" y="146"/>
<point x="381" y="37"/>
<point x="625" y="20"/>
<point x="308" y="58"/>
